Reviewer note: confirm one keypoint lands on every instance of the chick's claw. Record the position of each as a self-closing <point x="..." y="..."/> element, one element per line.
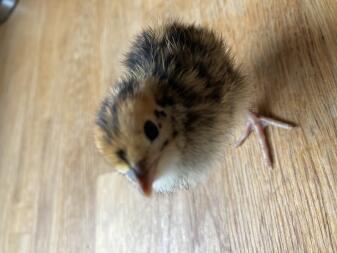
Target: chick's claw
<point x="257" y="123"/>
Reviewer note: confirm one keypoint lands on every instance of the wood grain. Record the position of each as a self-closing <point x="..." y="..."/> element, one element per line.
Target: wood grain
<point x="57" y="194"/>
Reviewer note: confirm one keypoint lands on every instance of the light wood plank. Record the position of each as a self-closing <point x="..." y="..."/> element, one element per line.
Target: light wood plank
<point x="57" y="194"/>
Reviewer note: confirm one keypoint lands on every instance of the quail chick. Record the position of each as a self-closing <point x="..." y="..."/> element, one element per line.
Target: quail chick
<point x="168" y="119"/>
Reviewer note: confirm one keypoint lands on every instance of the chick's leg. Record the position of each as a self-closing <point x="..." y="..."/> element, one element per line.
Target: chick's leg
<point x="257" y="123"/>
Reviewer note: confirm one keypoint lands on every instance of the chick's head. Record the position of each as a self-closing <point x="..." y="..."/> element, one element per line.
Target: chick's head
<point x="133" y="131"/>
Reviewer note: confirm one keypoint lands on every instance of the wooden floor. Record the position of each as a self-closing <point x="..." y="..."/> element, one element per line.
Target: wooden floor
<point x="57" y="194"/>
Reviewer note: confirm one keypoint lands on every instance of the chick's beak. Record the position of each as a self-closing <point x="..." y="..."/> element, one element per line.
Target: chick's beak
<point x="142" y="175"/>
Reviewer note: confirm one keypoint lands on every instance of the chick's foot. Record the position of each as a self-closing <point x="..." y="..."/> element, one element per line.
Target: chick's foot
<point x="257" y="123"/>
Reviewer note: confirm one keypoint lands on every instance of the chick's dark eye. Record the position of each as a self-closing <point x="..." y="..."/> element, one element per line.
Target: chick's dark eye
<point x="151" y="130"/>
